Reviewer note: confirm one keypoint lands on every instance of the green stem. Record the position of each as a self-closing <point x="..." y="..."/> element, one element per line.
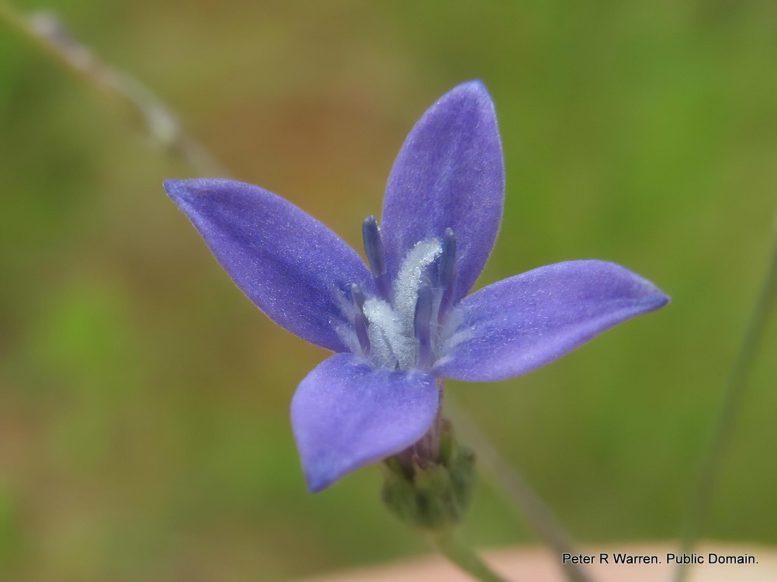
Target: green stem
<point x="49" y="36"/>
<point x="451" y="546"/>
<point x="730" y="406"/>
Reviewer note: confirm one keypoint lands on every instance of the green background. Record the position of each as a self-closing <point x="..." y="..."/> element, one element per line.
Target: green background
<point x="144" y="429"/>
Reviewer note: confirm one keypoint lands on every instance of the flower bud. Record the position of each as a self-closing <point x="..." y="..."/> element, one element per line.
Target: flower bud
<point x="430" y="492"/>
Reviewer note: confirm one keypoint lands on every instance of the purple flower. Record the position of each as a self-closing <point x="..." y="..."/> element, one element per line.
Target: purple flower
<point x="403" y="322"/>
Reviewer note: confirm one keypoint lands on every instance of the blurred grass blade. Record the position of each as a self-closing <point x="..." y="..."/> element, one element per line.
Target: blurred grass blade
<point x="539" y="517"/>
<point x="702" y="494"/>
<point x="46" y="31"/>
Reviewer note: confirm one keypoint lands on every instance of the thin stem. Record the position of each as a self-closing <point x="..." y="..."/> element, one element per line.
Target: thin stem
<point x="709" y="469"/>
<point x="48" y="34"/>
<point x="538" y="515"/>
<point x="451" y="546"/>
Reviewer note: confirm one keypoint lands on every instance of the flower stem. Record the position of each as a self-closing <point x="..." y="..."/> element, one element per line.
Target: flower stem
<point x="538" y="515"/>
<point x="712" y="459"/>
<point x="449" y="544"/>
<point x="48" y="34"/>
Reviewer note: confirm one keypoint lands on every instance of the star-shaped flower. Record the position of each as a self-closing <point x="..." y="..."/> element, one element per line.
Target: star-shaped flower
<point x="403" y="321"/>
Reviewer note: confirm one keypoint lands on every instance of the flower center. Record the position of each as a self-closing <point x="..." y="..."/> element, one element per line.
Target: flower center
<point x="401" y="327"/>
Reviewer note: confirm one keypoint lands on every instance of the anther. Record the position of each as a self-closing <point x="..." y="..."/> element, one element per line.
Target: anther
<point x="373" y="247"/>
<point x="422" y="326"/>
<point x="360" y="320"/>
<point x="447" y="272"/>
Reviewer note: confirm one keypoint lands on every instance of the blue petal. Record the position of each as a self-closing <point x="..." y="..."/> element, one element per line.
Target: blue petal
<point x="290" y="265"/>
<point x="347" y="414"/>
<point x="449" y="174"/>
<point x="524" y="322"/>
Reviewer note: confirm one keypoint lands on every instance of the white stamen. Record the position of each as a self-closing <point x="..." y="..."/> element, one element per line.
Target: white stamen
<point x="391" y="327"/>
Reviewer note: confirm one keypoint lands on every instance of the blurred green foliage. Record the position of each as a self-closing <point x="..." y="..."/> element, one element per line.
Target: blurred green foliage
<point x="144" y="427"/>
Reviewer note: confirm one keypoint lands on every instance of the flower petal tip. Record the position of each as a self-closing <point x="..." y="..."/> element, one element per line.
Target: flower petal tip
<point x="174" y="188"/>
<point x="473" y="86"/>
<point x="189" y="188"/>
<point x="468" y="90"/>
<point x="181" y="192"/>
<point x="476" y="84"/>
<point x="653" y="301"/>
<point x="323" y="470"/>
<point x="651" y="296"/>
<point x="642" y="290"/>
<point x="317" y="483"/>
<point x="661" y="299"/>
